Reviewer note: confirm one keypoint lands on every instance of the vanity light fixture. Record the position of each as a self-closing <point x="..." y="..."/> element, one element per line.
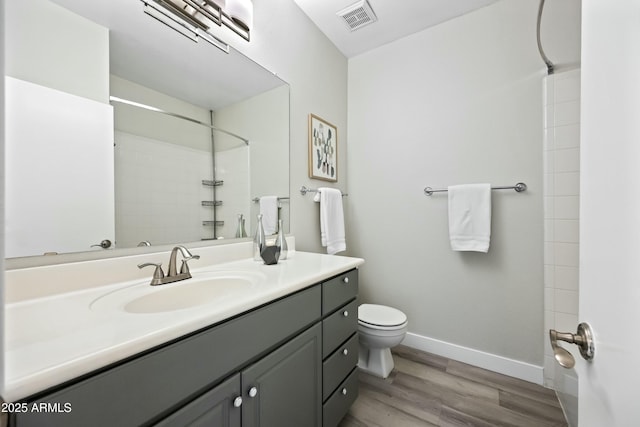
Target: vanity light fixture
<point x="194" y="18"/>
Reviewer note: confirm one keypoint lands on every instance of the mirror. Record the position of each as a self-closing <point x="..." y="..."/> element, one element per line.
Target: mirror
<point x="182" y="177"/>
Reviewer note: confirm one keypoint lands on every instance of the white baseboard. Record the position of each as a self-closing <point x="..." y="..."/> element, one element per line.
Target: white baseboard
<point x="492" y="362"/>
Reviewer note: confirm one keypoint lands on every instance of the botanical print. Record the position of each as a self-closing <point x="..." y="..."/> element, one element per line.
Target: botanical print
<point x="323" y="149"/>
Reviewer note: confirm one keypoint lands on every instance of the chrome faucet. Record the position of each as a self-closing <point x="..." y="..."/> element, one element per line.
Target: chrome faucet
<point x="172" y="274"/>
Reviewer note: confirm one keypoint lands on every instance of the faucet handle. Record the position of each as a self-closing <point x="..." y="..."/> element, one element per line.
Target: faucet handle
<point x="158" y="274"/>
<point x="184" y="268"/>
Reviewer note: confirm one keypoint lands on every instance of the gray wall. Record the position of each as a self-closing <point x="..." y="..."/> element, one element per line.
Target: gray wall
<point x="457" y="103"/>
<point x="286" y="42"/>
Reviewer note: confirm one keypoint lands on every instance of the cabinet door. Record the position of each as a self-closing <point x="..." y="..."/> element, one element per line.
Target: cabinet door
<point x="219" y="407"/>
<point x="284" y="388"/>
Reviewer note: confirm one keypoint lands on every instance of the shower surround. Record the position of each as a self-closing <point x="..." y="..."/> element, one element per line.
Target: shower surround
<point x="561" y="226"/>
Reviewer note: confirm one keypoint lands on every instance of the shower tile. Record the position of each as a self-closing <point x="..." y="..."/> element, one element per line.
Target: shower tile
<point x="566" y="230"/>
<point x="549" y="367"/>
<point x="549" y="299"/>
<point x="566" y="322"/>
<point x="567" y="160"/>
<point x="549" y="276"/>
<point x="567" y="88"/>
<point x="566" y="277"/>
<point x="566" y="113"/>
<point x="549" y="207"/>
<point x="567" y="184"/>
<point x="566" y="207"/>
<point x="549" y="139"/>
<point x="566" y="301"/>
<point x="548" y="89"/>
<point x="566" y="254"/>
<point x="549" y="253"/>
<point x="549" y="184"/>
<point x="549" y="116"/>
<point x="548" y="229"/>
<point x="567" y="136"/>
<point x="549" y="161"/>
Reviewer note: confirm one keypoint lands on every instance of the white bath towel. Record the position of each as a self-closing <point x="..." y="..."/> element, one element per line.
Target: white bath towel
<point x="269" y="211"/>
<point x="331" y="220"/>
<point x="470" y="217"/>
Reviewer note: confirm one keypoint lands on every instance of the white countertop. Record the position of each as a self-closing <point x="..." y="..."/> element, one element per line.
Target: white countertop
<point x="58" y="337"/>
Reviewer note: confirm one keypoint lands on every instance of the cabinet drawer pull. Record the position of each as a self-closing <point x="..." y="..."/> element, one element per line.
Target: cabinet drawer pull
<point x="345" y="313"/>
<point x="344" y="391"/>
<point x="345" y="351"/>
<point x="237" y="402"/>
<point x="253" y="392"/>
<point x="345" y="280"/>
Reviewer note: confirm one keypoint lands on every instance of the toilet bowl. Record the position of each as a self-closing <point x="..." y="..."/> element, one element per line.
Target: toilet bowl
<point x="379" y="328"/>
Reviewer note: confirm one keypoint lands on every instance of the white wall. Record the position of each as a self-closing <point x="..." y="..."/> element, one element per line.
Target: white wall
<point x="457" y="103"/>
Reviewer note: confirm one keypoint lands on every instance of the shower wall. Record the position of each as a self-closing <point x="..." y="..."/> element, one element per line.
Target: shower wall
<point x="561" y="225"/>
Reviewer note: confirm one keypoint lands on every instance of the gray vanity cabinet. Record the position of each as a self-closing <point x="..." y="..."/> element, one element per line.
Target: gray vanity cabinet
<point x="339" y="346"/>
<point x="287" y="363"/>
<point x="281" y="389"/>
<point x="219" y="407"/>
<point x="284" y="388"/>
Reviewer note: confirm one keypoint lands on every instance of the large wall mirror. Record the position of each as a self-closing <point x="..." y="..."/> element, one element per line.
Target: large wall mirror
<point x="121" y="129"/>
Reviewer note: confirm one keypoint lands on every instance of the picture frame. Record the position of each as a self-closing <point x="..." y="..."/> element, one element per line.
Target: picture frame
<point x="323" y="149"/>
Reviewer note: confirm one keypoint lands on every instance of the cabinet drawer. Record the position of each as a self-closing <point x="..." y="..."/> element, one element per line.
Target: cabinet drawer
<point x="339" y="290"/>
<point x="340" y="401"/>
<point x="338" y="327"/>
<point x="338" y="366"/>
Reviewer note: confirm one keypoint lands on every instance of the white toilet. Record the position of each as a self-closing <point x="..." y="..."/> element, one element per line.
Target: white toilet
<point x="379" y="328"/>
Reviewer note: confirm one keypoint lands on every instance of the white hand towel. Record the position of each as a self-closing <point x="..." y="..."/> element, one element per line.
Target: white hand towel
<point x="269" y="211"/>
<point x="331" y="220"/>
<point x="470" y="217"/>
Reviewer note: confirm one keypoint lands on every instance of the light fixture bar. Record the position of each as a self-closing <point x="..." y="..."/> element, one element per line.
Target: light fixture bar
<point x="216" y="19"/>
<point x="181" y="22"/>
<point x="175" y="10"/>
<point x="170" y="22"/>
<point x="233" y="26"/>
<point x="209" y="11"/>
<point x="208" y="37"/>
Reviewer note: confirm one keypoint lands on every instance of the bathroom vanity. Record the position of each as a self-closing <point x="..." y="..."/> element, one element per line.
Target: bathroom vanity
<point x="282" y="353"/>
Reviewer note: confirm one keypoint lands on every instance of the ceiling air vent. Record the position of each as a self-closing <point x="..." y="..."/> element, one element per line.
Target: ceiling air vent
<point x="358" y="15"/>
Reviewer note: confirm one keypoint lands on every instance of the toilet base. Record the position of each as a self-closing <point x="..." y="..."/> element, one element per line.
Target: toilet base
<point x="375" y="361"/>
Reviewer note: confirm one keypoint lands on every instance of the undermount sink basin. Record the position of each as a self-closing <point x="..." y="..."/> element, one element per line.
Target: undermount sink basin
<point x="202" y="289"/>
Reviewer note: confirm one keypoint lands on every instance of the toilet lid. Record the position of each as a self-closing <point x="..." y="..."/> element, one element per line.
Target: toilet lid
<point x="380" y="315"/>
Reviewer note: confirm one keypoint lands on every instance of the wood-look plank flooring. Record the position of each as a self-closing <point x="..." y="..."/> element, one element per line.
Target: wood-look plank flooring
<point x="429" y="390"/>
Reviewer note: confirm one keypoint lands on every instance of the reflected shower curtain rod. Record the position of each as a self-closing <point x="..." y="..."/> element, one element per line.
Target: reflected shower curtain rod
<point x="519" y="187"/>
<point x="179" y="116"/>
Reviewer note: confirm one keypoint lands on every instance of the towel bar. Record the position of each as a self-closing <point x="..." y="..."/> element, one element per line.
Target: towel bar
<point x="519" y="187"/>
<point x="304" y="190"/>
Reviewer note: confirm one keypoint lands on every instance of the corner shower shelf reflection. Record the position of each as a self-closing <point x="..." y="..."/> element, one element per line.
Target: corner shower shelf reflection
<point x="210" y="183"/>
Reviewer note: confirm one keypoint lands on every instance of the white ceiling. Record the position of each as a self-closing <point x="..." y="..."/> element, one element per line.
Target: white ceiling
<point x="396" y="19"/>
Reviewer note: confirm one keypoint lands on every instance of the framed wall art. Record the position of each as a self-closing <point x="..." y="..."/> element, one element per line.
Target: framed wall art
<point x="323" y="149"/>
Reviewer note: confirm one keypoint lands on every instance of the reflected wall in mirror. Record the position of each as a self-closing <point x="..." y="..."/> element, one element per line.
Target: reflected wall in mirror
<point x="150" y="166"/>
